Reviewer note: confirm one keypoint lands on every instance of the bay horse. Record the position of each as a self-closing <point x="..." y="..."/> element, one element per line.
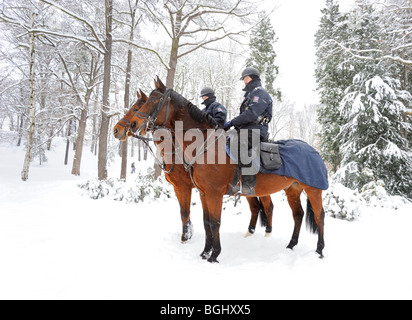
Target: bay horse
<point x="214" y="180"/>
<point x="179" y="178"/>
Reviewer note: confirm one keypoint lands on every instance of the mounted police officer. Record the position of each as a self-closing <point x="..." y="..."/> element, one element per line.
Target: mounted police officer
<point x="255" y="115"/>
<point x="214" y="108"/>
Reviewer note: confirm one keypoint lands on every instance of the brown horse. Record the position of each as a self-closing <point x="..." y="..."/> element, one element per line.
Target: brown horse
<point x="214" y="180"/>
<point x="177" y="176"/>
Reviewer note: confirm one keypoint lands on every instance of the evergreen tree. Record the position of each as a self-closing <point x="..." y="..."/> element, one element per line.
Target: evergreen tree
<point x="263" y="55"/>
<point x="372" y="139"/>
<point x="333" y="74"/>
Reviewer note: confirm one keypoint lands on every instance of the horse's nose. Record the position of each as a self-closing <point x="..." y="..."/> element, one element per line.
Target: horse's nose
<point x="133" y="125"/>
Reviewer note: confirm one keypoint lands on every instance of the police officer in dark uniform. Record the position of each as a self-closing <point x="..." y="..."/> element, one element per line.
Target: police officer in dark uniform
<point x="214" y="108"/>
<point x="255" y="114"/>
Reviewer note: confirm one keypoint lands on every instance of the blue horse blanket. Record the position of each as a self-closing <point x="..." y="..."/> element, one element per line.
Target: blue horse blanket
<point x="299" y="161"/>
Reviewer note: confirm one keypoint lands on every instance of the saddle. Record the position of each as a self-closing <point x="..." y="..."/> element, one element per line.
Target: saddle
<point x="269" y="152"/>
<point x="269" y="159"/>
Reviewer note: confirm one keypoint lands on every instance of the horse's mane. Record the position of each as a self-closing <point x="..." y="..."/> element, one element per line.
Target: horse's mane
<point x="194" y="111"/>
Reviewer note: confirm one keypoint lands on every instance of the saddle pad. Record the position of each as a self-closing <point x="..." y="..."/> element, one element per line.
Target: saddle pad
<point x="299" y="161"/>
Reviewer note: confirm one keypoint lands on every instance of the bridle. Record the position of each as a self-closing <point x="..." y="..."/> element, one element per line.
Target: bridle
<point x="150" y="118"/>
<point x="124" y="123"/>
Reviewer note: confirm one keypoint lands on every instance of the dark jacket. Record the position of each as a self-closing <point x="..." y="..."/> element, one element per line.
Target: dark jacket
<point x="216" y="110"/>
<point x="256" y="109"/>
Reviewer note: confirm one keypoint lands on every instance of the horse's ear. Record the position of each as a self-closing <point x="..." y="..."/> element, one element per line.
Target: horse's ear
<point x="139" y="94"/>
<point x="143" y="97"/>
<point x="159" y="84"/>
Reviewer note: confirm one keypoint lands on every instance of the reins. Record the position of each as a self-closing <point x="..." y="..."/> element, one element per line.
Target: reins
<point x="146" y="142"/>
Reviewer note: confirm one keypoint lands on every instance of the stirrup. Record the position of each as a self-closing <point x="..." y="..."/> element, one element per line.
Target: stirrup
<point x="237" y="197"/>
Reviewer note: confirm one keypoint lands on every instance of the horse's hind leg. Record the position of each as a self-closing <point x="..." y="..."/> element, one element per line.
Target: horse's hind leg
<point x="254" y="206"/>
<point x="268" y="211"/>
<point x="293" y="194"/>
<point x="264" y="208"/>
<point x="316" y="216"/>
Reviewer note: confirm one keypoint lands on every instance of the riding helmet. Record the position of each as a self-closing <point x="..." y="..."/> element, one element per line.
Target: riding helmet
<point x="250" y="71"/>
<point x="207" y="91"/>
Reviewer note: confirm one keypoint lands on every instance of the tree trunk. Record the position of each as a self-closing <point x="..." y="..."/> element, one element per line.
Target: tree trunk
<point x="170" y="80"/>
<point x="20" y="129"/>
<point x="83" y="119"/>
<point x="32" y="108"/>
<point x="94" y="128"/>
<point x="123" y="173"/>
<point x="79" y="142"/>
<point x="104" y="127"/>
<point x="69" y="133"/>
<point x="171" y="73"/>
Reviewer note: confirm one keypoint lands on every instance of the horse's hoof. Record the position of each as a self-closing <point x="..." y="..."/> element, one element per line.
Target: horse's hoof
<point x="212" y="260"/>
<point x="187" y="232"/>
<point x="268" y="234"/>
<point x="292" y="244"/>
<point x="320" y="254"/>
<point x="185" y="239"/>
<point x="205" y="255"/>
<point x="248" y="234"/>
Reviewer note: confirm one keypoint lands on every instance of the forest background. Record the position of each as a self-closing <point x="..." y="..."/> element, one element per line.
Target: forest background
<point x="71" y="69"/>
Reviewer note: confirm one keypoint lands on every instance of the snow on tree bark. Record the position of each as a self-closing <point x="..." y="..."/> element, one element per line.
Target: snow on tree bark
<point x="32" y="104"/>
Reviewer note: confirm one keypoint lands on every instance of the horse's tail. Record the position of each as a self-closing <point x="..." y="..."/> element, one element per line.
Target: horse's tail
<point x="310" y="218"/>
<point x="262" y="214"/>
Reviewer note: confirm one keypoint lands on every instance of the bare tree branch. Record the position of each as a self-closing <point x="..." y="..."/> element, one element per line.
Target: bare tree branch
<point x="142" y="48"/>
<point x="77" y="17"/>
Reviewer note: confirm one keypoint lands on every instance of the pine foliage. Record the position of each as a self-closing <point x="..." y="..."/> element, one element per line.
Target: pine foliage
<point x="365" y="97"/>
<point x="333" y="75"/>
<point x="263" y="55"/>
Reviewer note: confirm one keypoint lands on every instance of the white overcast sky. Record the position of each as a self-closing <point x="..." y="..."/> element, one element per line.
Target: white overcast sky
<point x="295" y="23"/>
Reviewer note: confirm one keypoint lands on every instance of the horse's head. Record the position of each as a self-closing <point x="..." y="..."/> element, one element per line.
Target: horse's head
<point x="122" y="127"/>
<point x="155" y="112"/>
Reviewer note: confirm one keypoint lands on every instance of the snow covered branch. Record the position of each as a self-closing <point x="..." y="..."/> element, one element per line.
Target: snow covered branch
<point x="79" y="18"/>
<point x="362" y="54"/>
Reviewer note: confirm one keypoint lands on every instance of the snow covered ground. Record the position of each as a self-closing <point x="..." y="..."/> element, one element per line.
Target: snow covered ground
<point x="56" y="243"/>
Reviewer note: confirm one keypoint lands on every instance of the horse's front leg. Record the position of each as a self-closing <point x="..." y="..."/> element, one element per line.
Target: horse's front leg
<point x="208" y="231"/>
<point x="214" y="205"/>
<point x="212" y="210"/>
<point x="184" y="196"/>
